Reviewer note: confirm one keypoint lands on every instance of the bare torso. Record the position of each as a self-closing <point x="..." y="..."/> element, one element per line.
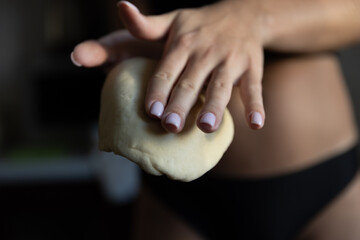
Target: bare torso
<point x="308" y="119"/>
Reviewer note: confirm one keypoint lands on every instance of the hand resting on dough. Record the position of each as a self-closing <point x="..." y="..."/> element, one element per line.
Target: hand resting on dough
<point x="126" y="129"/>
<point x="196" y="47"/>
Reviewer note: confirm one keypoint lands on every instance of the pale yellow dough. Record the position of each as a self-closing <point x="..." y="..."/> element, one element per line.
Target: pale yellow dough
<point x="126" y="130"/>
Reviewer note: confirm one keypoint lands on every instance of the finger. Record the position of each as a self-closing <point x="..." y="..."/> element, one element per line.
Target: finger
<point x="122" y="45"/>
<point x="160" y="85"/>
<point x="186" y="92"/>
<point x="89" y="54"/>
<point x="145" y="27"/>
<point x="108" y="49"/>
<point x="218" y="95"/>
<point x="112" y="48"/>
<point x="251" y="94"/>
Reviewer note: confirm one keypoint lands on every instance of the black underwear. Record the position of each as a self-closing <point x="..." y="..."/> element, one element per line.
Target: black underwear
<point x="272" y="208"/>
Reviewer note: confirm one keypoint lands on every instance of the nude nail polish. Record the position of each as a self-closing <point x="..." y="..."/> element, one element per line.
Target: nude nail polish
<point x="209" y="119"/>
<point x="157" y="109"/>
<point x="174" y="120"/>
<point x="74" y="61"/>
<point x="256" y="119"/>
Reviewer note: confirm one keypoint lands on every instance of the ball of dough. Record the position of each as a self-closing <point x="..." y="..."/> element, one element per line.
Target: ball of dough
<point x="126" y="129"/>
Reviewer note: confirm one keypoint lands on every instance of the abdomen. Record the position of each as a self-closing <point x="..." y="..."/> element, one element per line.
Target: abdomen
<point x="308" y="119"/>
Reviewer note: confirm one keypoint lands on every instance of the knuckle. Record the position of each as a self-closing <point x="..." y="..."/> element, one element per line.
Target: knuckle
<point x="238" y="58"/>
<point x="231" y="57"/>
<point x="164" y="76"/>
<point x="187" y="85"/>
<point x="185" y="40"/>
<point x="221" y="85"/>
<point x="207" y="53"/>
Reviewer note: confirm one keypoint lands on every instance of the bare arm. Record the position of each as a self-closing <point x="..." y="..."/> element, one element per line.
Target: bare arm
<point x="222" y="44"/>
<point x="309" y="25"/>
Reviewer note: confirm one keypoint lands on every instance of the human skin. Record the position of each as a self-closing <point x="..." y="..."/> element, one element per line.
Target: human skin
<point x="308" y="112"/>
<point x="309" y="120"/>
<point x="221" y="45"/>
<point x="224" y="43"/>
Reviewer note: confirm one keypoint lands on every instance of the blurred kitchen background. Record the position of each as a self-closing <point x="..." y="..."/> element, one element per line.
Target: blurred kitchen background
<point x="54" y="183"/>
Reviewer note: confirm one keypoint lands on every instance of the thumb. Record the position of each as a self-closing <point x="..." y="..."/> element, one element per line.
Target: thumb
<point x="145" y="27"/>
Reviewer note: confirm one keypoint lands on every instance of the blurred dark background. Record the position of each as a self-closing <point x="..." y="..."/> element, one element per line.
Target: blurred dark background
<point x="52" y="183"/>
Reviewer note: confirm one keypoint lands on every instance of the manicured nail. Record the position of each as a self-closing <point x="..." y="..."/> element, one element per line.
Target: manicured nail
<point x="173" y="119"/>
<point x="157" y="109"/>
<point x="74" y="61"/>
<point x="256" y="119"/>
<point x="129" y="4"/>
<point x="209" y="119"/>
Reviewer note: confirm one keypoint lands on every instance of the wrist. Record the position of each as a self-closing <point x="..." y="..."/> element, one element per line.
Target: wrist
<point x="266" y="23"/>
<point x="257" y="16"/>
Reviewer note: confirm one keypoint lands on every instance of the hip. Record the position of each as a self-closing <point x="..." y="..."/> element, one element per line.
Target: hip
<point x="308" y="118"/>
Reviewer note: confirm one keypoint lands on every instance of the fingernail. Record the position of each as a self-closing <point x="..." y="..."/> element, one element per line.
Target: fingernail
<point x="173" y="119"/>
<point x="256" y="119"/>
<point x="157" y="109"/>
<point x="209" y="119"/>
<point x="74" y="61"/>
<point x="129" y="4"/>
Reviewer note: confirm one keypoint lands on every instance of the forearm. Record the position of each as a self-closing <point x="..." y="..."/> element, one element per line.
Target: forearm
<point x="308" y="25"/>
